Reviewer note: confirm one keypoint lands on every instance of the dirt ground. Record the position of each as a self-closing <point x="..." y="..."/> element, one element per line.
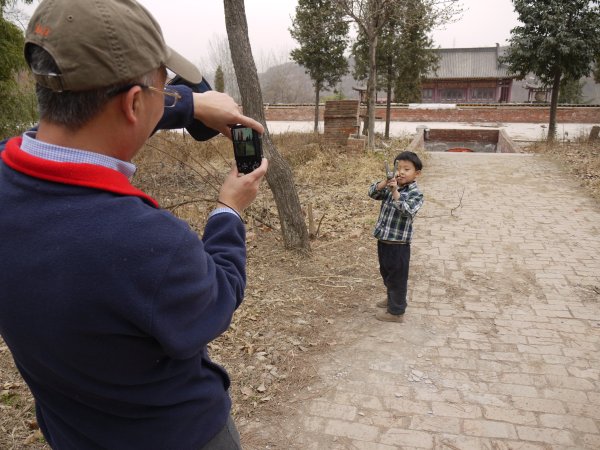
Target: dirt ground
<point x="296" y="306"/>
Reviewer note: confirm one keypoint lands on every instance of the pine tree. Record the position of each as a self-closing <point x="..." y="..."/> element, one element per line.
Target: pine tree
<point x="404" y="53"/>
<point x="18" y="105"/>
<point x="415" y="53"/>
<point x="371" y="17"/>
<point x="571" y="91"/>
<point x="219" y="79"/>
<point x="323" y="38"/>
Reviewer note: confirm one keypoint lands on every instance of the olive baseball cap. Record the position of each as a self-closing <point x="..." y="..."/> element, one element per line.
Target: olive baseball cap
<point x="101" y="43"/>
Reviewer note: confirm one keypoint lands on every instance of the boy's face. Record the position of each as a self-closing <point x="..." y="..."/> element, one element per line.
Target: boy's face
<point x="406" y="173"/>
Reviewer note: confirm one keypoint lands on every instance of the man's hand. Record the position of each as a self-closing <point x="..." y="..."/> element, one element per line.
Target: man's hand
<point x="238" y="192"/>
<point x="217" y="111"/>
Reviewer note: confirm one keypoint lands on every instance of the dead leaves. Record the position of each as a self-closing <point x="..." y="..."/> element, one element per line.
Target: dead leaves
<point x="582" y="159"/>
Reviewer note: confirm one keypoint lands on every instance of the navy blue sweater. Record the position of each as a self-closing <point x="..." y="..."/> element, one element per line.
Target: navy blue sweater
<point x="108" y="303"/>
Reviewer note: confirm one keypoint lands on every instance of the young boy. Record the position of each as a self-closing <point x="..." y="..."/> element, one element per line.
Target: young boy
<point x="400" y="200"/>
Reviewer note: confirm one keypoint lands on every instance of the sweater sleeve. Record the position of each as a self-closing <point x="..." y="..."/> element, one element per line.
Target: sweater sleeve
<point x="202" y="287"/>
<point x="182" y="114"/>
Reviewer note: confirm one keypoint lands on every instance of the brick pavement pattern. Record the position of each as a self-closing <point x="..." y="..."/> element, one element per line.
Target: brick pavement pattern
<point x="500" y="345"/>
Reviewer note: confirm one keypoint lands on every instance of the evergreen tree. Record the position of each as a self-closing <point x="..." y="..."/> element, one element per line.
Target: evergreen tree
<point x="404" y="53"/>
<point x="371" y="17"/>
<point x="18" y="110"/>
<point x="415" y="53"/>
<point x="571" y="91"/>
<point x="323" y="38"/>
<point x="558" y="39"/>
<point x="219" y="79"/>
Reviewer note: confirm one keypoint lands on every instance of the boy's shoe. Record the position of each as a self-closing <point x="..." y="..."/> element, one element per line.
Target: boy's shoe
<point x="381" y="304"/>
<point x="385" y="316"/>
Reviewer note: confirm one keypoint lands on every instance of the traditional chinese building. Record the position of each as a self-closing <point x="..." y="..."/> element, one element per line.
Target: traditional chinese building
<point x="468" y="75"/>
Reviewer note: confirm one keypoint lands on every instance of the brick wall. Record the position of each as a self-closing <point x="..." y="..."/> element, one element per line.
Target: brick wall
<point x="463" y="135"/>
<point x="340" y="121"/>
<point x="504" y="143"/>
<point x="498" y="113"/>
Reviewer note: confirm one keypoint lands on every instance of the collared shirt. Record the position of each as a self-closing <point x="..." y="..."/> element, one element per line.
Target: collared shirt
<point x="396" y="216"/>
<point x="58" y="153"/>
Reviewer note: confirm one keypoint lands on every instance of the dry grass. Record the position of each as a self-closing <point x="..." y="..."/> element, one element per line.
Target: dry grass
<point x="580" y="157"/>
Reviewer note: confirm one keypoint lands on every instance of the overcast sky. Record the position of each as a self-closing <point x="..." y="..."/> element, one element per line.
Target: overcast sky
<point x="189" y="24"/>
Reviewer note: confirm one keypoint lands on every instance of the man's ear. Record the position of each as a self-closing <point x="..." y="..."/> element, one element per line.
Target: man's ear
<point x="130" y="104"/>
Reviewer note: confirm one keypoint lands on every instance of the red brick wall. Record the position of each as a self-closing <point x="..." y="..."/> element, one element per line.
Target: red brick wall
<point x="499" y="137"/>
<point x="463" y="135"/>
<point x="501" y="114"/>
<point x="340" y="120"/>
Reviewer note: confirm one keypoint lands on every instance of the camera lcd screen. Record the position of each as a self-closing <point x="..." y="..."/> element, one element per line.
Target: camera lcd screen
<point x="243" y="142"/>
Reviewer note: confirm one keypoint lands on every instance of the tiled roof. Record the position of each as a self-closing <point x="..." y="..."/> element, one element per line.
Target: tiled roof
<point x="463" y="63"/>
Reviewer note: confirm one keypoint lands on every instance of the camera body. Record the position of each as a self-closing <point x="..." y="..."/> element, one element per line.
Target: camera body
<point x="247" y="148"/>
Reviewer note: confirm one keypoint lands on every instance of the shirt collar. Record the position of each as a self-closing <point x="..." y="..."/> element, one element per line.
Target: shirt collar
<point x="51" y="152"/>
<point x="408" y="186"/>
<point x="78" y="174"/>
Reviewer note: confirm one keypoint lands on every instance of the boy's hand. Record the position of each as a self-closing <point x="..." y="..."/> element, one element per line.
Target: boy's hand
<point x="393" y="187"/>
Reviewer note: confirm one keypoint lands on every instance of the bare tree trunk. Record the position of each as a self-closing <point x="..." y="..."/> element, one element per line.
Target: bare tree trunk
<point x="279" y="176"/>
<point x="317" y="92"/>
<point x="553" y="106"/>
<point x="371" y="88"/>
<point x="388" y="106"/>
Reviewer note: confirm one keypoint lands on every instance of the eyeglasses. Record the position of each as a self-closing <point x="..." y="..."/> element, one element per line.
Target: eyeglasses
<point x="171" y="95"/>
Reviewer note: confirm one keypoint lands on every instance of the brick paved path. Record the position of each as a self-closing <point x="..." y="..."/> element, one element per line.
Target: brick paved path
<point x="500" y="346"/>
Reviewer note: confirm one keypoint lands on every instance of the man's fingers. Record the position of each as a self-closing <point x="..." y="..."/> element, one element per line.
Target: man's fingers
<point x="251" y="123"/>
<point x="247" y="122"/>
<point x="260" y="171"/>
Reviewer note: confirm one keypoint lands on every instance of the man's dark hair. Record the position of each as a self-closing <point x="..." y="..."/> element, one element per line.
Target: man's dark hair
<point x="412" y="157"/>
<point x="68" y="108"/>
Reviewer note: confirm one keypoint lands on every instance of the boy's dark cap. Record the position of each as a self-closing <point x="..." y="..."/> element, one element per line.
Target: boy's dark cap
<point x="100" y="43"/>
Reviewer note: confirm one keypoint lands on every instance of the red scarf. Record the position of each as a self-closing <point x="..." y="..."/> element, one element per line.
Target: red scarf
<point x="77" y="174"/>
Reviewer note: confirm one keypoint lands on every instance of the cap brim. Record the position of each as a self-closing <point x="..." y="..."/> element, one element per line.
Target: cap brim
<point x="182" y="67"/>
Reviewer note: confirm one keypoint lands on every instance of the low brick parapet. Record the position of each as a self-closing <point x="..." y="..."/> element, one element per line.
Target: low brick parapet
<point x="505" y="113"/>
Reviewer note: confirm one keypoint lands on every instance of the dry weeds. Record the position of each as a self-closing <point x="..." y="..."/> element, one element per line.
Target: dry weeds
<point x="580" y="157"/>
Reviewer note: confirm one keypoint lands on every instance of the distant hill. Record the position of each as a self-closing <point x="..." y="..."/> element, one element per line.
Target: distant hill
<point x="288" y="83"/>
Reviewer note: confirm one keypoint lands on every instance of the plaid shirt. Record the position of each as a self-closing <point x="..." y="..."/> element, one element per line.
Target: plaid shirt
<point x="396" y="217"/>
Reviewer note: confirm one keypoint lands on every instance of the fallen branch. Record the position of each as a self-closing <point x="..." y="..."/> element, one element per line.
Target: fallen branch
<point x="462" y="194"/>
<point x="212" y="200"/>
<point x="460" y="199"/>
<point x="321" y="277"/>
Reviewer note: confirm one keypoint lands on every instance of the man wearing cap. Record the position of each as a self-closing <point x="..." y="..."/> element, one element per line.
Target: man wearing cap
<point x="108" y="302"/>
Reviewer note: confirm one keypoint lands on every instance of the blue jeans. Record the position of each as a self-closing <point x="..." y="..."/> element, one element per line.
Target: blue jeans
<point x="394" y="262"/>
